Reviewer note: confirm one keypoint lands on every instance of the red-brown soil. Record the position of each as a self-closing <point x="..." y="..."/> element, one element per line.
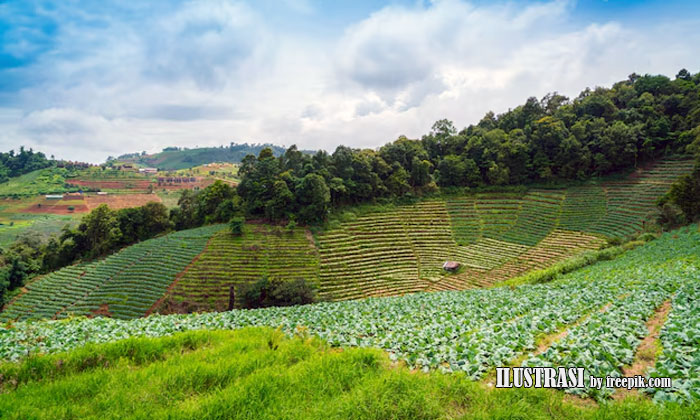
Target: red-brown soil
<point x="121" y="201"/>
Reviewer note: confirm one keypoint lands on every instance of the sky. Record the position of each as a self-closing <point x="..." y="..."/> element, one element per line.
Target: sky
<point x="83" y="80"/>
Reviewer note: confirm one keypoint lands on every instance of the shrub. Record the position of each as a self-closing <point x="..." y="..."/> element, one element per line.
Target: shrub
<point x="646" y="237"/>
<point x="276" y="292"/>
<point x="71" y="208"/>
<point x="236" y="225"/>
<point x="291" y="225"/>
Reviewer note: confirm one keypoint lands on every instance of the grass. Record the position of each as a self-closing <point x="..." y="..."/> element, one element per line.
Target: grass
<point x="169" y="197"/>
<point x="43" y="225"/>
<point x="570" y="264"/>
<point x="42" y="181"/>
<point x="257" y="373"/>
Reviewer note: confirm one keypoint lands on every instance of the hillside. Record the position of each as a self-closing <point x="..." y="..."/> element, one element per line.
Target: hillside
<point x="188" y="158"/>
<point x="495" y="236"/>
<point x="124" y="285"/>
<point x="40" y="181"/>
<point x="595" y="318"/>
<point x="209" y="375"/>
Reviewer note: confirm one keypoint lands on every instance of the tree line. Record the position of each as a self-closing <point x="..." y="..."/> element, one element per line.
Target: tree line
<point x="602" y="130"/>
<point x="553" y="139"/>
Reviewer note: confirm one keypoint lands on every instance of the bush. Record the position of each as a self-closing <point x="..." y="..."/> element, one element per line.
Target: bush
<point x="291" y="225"/>
<point x="646" y="237"/>
<point x="236" y="225"/>
<point x="265" y="293"/>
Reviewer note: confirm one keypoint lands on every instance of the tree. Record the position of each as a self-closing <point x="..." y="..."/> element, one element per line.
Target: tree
<point x="279" y="205"/>
<point x="99" y="231"/>
<point x="397" y="183"/>
<point x="266" y="292"/>
<point x="685" y="193"/>
<point x="452" y="171"/>
<point x="314" y="198"/>
<point x="236" y="225"/>
<point x="420" y="171"/>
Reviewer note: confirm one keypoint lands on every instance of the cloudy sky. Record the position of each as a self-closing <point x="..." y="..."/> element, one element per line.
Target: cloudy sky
<point x="86" y="79"/>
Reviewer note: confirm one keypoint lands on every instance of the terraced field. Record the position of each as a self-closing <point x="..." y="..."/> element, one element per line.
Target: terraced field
<point x="124" y="285"/>
<point x="595" y="317"/>
<point x="235" y="260"/>
<point x="494" y="236"/>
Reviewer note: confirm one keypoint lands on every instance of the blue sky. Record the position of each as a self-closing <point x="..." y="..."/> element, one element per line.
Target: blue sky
<point x="88" y="79"/>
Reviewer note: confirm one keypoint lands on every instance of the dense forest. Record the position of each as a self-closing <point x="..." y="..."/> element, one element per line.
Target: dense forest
<point x="601" y="131"/>
<point x="15" y="164"/>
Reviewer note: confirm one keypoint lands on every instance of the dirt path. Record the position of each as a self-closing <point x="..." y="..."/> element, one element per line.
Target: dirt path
<point x="645" y="356"/>
<point x="179" y="276"/>
<point x="546" y="341"/>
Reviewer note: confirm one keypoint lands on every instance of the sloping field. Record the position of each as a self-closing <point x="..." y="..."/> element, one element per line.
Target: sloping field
<point x="123" y="285"/>
<point x="494" y="236"/>
<point x="235" y="260"/>
<point x="594" y="318"/>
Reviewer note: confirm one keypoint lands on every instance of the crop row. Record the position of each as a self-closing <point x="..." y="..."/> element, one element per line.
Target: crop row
<point x="233" y="261"/>
<point x="123" y="285"/>
<point x="680" y="343"/>
<point x="470" y="331"/>
<point x="607" y="340"/>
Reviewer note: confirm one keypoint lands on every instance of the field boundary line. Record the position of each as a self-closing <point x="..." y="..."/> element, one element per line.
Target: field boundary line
<point x="177" y="278"/>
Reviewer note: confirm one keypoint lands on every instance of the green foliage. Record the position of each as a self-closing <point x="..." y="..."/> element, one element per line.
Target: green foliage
<point x="236" y="225"/>
<point x="258" y="374"/>
<point x="50" y="180"/>
<point x="571" y="264"/>
<point x="600" y="132"/>
<point x="15" y="164"/>
<point x="685" y="195"/>
<point x="127" y="283"/>
<point x="276" y="292"/>
<point x="679" y="335"/>
<point x="483" y="329"/>
<point x="100" y="232"/>
<point x="228" y="260"/>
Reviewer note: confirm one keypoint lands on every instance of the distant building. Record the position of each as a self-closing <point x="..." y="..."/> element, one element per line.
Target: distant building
<point x="102" y="193"/>
<point x="451" y="266"/>
<point x="148" y="170"/>
<point x="54" y="197"/>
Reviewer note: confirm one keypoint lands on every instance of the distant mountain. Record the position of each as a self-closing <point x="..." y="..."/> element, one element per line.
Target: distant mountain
<point x="173" y="158"/>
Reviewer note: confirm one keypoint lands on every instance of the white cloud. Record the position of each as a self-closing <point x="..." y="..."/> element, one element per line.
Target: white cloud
<point x="211" y="72"/>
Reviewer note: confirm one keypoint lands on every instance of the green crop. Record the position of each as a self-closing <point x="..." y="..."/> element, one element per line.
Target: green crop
<point x="470" y="331"/>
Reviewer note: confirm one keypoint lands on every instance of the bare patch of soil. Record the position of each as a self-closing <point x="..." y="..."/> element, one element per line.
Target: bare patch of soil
<point x="121" y="201"/>
<point x="103" y="310"/>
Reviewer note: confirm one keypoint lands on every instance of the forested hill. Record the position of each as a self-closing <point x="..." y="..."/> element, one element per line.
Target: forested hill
<point x="173" y="158"/>
<point x="15" y="164"/>
<point x="602" y="130"/>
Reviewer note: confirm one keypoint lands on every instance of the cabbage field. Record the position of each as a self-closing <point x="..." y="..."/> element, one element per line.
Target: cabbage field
<point x="605" y="305"/>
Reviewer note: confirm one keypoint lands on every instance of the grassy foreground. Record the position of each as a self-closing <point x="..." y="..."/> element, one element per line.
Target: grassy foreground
<point x="258" y="373"/>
